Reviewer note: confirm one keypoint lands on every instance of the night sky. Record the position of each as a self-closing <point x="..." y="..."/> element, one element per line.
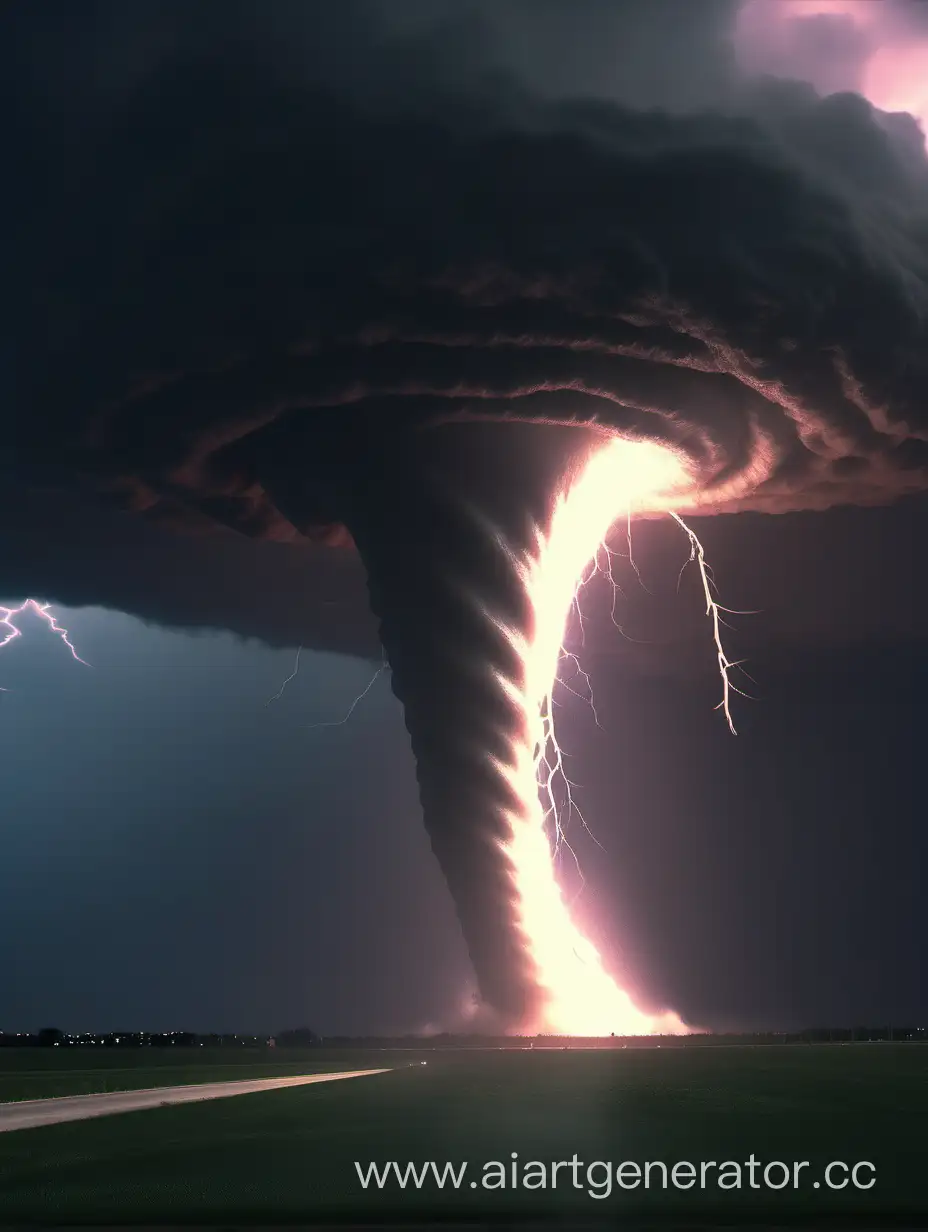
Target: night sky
<point x="179" y="854"/>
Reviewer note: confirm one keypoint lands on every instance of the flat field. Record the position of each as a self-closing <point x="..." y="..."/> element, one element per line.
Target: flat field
<point x="290" y="1155"/>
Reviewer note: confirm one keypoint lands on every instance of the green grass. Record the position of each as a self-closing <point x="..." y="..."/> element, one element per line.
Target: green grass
<point x="288" y="1156"/>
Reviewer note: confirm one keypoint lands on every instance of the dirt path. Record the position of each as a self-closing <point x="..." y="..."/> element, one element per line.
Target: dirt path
<point x="27" y="1114"/>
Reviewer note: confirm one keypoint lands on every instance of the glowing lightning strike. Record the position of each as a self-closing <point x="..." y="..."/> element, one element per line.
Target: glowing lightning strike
<point x="600" y="566"/>
<point x="713" y="611"/>
<point x="43" y="611"/>
<point x="580" y="997"/>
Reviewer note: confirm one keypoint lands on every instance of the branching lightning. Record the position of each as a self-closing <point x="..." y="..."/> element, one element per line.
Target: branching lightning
<point x="579" y="994"/>
<point x="714" y="611"/>
<point x="351" y="709"/>
<point x="43" y="612"/>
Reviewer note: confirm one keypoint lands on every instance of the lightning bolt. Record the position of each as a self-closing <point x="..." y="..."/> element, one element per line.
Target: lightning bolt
<point x="357" y="701"/>
<point x="44" y="613"/>
<point x="550" y="755"/>
<point x="714" y="611"/>
<point x="296" y="667"/>
<point x="351" y="709"/>
<point x="580" y="995"/>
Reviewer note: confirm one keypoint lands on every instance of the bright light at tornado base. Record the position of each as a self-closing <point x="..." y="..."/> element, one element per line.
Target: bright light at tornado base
<point x="617" y="480"/>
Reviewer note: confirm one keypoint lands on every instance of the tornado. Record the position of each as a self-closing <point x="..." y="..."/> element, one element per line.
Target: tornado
<point x="475" y="537"/>
<point x="440" y="519"/>
<point x="309" y="303"/>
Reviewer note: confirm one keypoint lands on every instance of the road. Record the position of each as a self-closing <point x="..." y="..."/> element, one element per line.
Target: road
<point x="28" y="1114"/>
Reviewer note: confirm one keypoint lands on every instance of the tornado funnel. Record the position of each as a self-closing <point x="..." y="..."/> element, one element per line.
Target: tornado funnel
<point x="439" y="529"/>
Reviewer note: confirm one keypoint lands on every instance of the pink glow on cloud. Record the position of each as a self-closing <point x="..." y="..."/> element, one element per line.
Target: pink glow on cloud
<point x="878" y="48"/>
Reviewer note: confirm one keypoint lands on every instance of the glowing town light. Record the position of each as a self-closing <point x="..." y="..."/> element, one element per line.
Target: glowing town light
<point x="620" y="478"/>
<point x="44" y="613"/>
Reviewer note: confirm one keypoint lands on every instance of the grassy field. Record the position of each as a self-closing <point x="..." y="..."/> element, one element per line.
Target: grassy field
<point x="289" y="1155"/>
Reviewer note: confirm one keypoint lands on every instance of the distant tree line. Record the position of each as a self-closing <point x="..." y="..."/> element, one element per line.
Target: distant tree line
<point x="303" y="1037"/>
<point x="53" y="1037"/>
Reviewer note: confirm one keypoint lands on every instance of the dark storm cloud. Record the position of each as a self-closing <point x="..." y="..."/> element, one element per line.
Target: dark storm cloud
<point x="283" y="594"/>
<point x="256" y="250"/>
<point x="223" y="257"/>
